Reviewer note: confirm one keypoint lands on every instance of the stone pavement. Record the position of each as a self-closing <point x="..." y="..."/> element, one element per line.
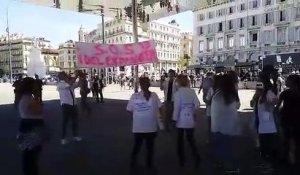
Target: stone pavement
<point x="107" y="141"/>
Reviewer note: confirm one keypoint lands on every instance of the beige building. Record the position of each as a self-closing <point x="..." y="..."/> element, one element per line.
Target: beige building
<point x="67" y="57"/>
<point x="186" y="46"/>
<point x="51" y="60"/>
<point x="20" y="50"/>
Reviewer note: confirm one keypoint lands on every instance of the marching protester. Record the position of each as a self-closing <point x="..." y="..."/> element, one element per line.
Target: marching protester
<point x="185" y="105"/>
<point x="290" y="122"/>
<point x="65" y="87"/>
<point x="265" y="101"/>
<point x="224" y="123"/>
<point x="17" y="85"/>
<point x="169" y="87"/>
<point x="84" y="91"/>
<point x="31" y="128"/>
<point x="145" y="107"/>
<point x="206" y="84"/>
<point x="38" y="88"/>
<point x="98" y="87"/>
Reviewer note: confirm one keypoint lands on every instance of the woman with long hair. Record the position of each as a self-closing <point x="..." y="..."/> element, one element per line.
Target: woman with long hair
<point x="185" y="104"/>
<point x="145" y="107"/>
<point x="224" y="122"/>
<point x="31" y="128"/>
<point x="290" y="101"/>
<point x="266" y="119"/>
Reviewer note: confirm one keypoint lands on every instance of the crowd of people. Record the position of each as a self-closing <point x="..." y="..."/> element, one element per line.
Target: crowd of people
<point x="275" y="112"/>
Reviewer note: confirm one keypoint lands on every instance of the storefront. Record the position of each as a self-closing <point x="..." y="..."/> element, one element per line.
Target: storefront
<point x="285" y="62"/>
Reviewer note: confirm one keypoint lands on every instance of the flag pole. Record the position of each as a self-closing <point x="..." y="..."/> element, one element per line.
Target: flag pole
<point x="136" y="39"/>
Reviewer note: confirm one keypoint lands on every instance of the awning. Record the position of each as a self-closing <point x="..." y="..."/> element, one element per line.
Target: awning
<point x="284" y="59"/>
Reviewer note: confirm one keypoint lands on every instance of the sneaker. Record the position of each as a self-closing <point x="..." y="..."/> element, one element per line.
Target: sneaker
<point x="63" y="141"/>
<point x="77" y="139"/>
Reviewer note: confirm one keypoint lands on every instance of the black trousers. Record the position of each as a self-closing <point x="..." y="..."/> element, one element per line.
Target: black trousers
<point x="30" y="161"/>
<point x="269" y="146"/>
<point x="138" y="141"/>
<point x="168" y="115"/>
<point x="84" y="104"/>
<point x="180" y="144"/>
<point x="69" y="113"/>
<point x="97" y="95"/>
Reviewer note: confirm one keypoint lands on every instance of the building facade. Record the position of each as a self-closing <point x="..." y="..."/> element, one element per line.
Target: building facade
<point x="186" y="47"/>
<point x="67" y="56"/>
<point x="167" y="38"/>
<point x="245" y="30"/>
<point x="20" y="50"/>
<point x="51" y="60"/>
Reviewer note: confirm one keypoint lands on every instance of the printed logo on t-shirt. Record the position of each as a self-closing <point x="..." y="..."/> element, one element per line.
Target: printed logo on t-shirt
<point x="187" y="109"/>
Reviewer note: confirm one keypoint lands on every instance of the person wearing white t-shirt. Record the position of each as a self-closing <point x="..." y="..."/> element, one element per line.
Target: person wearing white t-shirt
<point x="145" y="107"/>
<point x="185" y="104"/>
<point x="267" y="129"/>
<point x="65" y="88"/>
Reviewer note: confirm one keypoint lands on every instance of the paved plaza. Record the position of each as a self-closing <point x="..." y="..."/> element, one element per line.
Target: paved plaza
<point x="108" y="140"/>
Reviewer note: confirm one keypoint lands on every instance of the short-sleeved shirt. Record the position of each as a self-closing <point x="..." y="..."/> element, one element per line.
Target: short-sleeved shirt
<point x="266" y="115"/>
<point x="145" y="113"/>
<point x="185" y="104"/>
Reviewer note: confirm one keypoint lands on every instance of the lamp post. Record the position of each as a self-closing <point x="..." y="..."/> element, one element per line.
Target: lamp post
<point x="136" y="39"/>
<point x="9" y="47"/>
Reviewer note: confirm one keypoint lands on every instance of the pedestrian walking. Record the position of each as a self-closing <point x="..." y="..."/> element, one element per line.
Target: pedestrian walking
<point x="206" y="84"/>
<point x="65" y="87"/>
<point x="185" y="105"/>
<point x="31" y="128"/>
<point x="98" y="89"/>
<point x="17" y="85"/>
<point x="84" y="91"/>
<point x="145" y="107"/>
<point x="224" y="124"/>
<point x="290" y="101"/>
<point x="169" y="87"/>
<point x="38" y="88"/>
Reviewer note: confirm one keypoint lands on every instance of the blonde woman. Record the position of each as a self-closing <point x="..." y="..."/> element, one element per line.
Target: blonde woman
<point x="185" y="104"/>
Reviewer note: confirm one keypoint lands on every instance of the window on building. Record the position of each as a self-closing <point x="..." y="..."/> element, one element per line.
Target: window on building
<point x="297" y="12"/>
<point x="210" y="15"/>
<point x="281" y="0"/>
<point x="242" y="22"/>
<point x="61" y="64"/>
<point x="255" y="4"/>
<point x="282" y="16"/>
<point x="220" y="27"/>
<point x="230" y="24"/>
<point x="220" y="12"/>
<point x="69" y="51"/>
<point x="69" y="57"/>
<point x="243" y="7"/>
<point x="254" y="36"/>
<point x="201" y="17"/>
<point x="297" y="33"/>
<point x="220" y="43"/>
<point x="268" y="2"/>
<point x="210" y="44"/>
<point x="231" y="10"/>
<point x="268" y="37"/>
<point x="201" y="46"/>
<point x="242" y="41"/>
<point x="210" y="28"/>
<point x="70" y="64"/>
<point x="230" y="41"/>
<point x="254" y="21"/>
<point x="281" y="35"/>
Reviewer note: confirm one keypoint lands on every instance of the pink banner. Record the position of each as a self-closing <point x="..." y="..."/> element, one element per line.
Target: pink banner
<point x="113" y="55"/>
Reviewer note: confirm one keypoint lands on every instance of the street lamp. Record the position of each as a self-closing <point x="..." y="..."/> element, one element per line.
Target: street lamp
<point x="9" y="47"/>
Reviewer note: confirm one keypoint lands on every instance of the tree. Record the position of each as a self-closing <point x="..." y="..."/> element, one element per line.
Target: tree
<point x="184" y="61"/>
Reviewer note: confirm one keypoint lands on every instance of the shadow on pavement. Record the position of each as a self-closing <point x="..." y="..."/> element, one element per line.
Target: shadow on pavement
<point x="107" y="144"/>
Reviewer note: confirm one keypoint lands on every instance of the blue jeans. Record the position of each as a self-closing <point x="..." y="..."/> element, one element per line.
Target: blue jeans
<point x="223" y="149"/>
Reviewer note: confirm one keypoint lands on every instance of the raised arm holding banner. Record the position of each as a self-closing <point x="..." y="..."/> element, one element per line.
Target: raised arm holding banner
<point x="98" y="55"/>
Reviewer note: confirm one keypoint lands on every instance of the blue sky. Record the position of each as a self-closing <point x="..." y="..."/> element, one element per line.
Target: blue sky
<point x="58" y="25"/>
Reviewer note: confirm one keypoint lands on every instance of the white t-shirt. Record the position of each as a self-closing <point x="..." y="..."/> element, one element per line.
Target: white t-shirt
<point x="145" y="113"/>
<point x="185" y="104"/>
<point x="266" y="115"/>
<point x="224" y="117"/>
<point x="65" y="96"/>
